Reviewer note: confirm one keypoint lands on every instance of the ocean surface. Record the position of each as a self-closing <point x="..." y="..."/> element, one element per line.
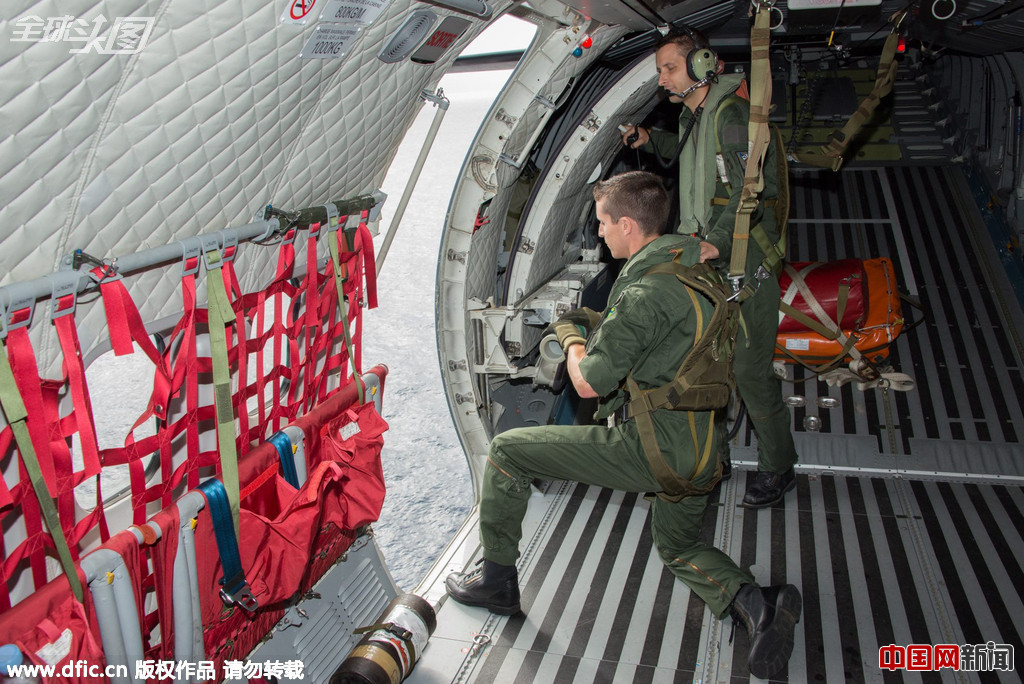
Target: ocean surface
<point x="429" y="488"/>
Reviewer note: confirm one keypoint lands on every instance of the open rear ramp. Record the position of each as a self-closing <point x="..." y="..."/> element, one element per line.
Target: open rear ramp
<point x="907" y="524"/>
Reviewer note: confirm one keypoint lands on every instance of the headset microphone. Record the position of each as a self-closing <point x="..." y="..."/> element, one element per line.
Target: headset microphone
<point x="702" y="82"/>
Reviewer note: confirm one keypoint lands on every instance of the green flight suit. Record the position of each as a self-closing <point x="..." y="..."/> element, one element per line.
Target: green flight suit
<point x="647" y="329"/>
<point x="701" y="171"/>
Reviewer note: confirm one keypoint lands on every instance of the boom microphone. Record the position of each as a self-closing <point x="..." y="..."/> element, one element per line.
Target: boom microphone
<point x="702" y="82"/>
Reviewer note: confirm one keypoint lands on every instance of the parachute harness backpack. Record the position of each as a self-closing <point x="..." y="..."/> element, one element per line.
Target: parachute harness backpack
<point x="704" y="381"/>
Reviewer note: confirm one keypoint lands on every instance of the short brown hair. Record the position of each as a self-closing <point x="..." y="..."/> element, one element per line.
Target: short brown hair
<point x="639" y="195"/>
<point x="685" y="40"/>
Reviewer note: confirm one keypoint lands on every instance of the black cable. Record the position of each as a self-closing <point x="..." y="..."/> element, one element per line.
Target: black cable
<point x="668" y="164"/>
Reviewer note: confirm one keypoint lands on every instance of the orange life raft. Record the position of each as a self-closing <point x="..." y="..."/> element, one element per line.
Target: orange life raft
<point x="838" y="311"/>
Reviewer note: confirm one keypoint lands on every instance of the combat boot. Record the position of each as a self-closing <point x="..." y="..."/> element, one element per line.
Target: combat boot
<point x="489" y="585"/>
<point x="726" y="469"/>
<point x="768" y="488"/>
<point x="769" y="615"/>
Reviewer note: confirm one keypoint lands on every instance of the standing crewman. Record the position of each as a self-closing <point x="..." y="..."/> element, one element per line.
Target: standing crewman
<point x="641" y="339"/>
<point x="712" y="150"/>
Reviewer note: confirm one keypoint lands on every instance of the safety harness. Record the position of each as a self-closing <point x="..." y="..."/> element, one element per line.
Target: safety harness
<point x="704" y="381"/>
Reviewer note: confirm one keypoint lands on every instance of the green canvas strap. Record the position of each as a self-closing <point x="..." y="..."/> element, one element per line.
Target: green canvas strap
<point x="222" y="315"/>
<point x="14" y="410"/>
<point x="757" y="135"/>
<point x="831" y="155"/>
<point x="339" y="284"/>
<point x="674" y="487"/>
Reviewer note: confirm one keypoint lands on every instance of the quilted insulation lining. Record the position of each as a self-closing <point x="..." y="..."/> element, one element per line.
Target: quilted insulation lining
<point x="215" y="118"/>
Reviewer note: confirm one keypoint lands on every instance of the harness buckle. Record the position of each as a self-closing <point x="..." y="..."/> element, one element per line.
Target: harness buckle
<point x="238" y="594"/>
<point x="332" y="217"/>
<point x="63" y="284"/>
<point x="212" y="256"/>
<point x="760" y="275"/>
<point x="8" y="313"/>
<point x="230" y="238"/>
<point x="191" y="251"/>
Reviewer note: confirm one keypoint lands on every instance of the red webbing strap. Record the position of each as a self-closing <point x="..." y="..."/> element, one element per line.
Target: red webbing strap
<point x="125" y="327"/>
<point x="285" y="268"/>
<point x="364" y="243"/>
<point x="162" y="552"/>
<point x="17" y="413"/>
<point x="6" y="497"/>
<point x="41" y="402"/>
<point x="74" y="371"/>
<point x="311" y="319"/>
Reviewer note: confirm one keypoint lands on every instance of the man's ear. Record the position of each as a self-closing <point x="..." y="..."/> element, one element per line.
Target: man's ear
<point x="629" y="226"/>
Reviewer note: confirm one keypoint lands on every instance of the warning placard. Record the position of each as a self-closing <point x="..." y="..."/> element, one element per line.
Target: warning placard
<point x="299" y="11"/>
<point x="329" y="41"/>
<point x="353" y="12"/>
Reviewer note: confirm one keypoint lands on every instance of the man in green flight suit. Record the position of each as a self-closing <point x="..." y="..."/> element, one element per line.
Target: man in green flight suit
<point x="647" y="330"/>
<point x="711" y="171"/>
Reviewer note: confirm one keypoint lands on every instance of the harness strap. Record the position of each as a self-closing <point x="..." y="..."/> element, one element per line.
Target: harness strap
<point x="674" y="487"/>
<point x="17" y="417"/>
<point x="831" y="155"/>
<point x="757" y="134"/>
<point x="220" y="316"/>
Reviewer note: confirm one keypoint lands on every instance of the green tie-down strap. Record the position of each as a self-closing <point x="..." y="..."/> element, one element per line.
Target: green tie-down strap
<point x="14" y="410"/>
<point x="333" y="235"/>
<point x="220" y="316"/>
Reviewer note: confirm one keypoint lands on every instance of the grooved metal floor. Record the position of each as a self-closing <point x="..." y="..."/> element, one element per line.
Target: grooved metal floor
<point x="907" y="524"/>
<point x="878" y="560"/>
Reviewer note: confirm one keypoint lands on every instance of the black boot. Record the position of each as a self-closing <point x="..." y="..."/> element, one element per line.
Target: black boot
<point x="489" y="585"/>
<point x="768" y="488"/>
<point x="769" y="615"/>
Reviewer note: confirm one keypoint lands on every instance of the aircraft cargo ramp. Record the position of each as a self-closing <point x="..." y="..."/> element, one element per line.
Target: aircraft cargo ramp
<point x="907" y="523"/>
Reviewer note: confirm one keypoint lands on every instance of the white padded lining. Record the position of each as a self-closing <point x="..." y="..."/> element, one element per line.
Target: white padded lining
<point x="215" y="118"/>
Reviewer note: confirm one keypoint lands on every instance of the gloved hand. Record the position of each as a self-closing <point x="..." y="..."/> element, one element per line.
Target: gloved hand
<point x="587" y="318"/>
<point x="575" y="326"/>
<point x="569" y="333"/>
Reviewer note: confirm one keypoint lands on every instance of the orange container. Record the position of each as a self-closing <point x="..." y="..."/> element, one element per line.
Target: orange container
<point x="872" y="314"/>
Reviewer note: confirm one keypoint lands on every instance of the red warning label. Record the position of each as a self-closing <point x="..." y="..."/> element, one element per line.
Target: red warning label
<point x="300" y="8"/>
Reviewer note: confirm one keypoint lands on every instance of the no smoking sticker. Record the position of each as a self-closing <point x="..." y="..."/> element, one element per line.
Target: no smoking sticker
<point x="298" y="11"/>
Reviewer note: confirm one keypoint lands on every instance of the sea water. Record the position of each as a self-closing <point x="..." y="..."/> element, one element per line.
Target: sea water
<point x="429" y="492"/>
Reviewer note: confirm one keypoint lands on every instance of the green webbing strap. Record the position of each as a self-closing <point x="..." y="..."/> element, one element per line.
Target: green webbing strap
<point x="221" y="315"/>
<point x="339" y="283"/>
<point x="757" y="135"/>
<point x="14" y="410"/>
<point x="831" y="155"/>
<point x="673" y="486"/>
